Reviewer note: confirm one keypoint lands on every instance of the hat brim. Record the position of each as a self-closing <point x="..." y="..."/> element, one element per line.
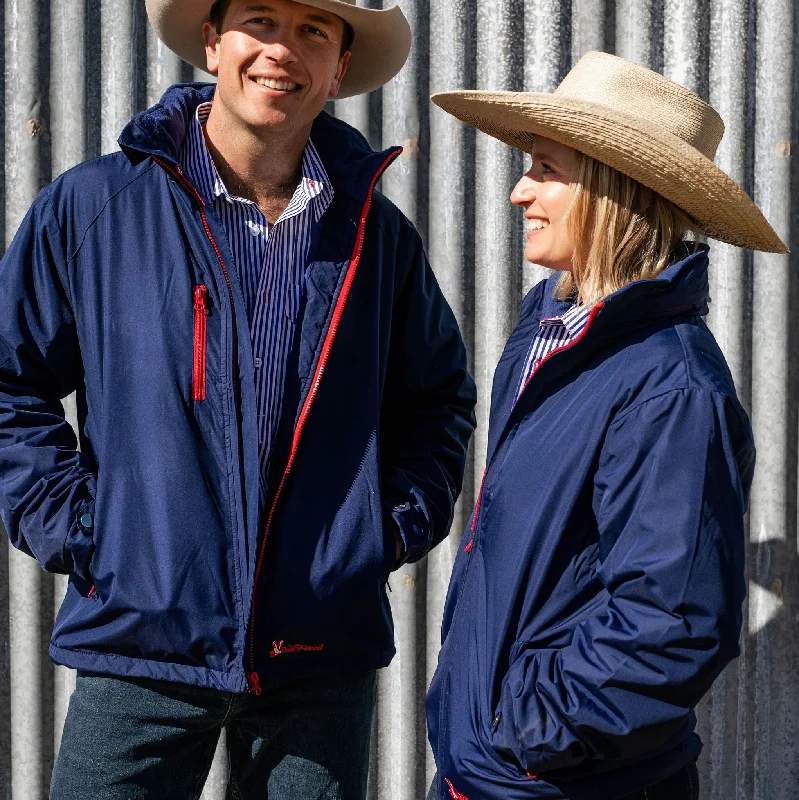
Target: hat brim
<point x="379" y="51"/>
<point x="657" y="159"/>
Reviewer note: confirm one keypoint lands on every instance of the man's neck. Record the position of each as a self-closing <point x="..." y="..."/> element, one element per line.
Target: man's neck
<point x="263" y="168"/>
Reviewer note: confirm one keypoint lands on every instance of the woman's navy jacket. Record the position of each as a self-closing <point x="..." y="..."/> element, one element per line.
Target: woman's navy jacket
<point x="157" y="519"/>
<point x="598" y="588"/>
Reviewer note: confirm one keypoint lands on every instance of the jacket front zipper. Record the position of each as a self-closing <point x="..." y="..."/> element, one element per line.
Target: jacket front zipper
<point x="253" y="678"/>
<point x="200" y="342"/>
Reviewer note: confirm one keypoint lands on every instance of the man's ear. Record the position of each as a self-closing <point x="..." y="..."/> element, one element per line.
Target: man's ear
<point x="341" y="71"/>
<point x="212" y="41"/>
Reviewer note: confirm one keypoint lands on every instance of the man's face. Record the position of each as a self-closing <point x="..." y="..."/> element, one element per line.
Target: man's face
<point x="277" y="62"/>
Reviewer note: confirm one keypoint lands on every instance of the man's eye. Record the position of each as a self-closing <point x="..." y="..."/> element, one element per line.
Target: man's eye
<point x="258" y="20"/>
<point x="315" y="31"/>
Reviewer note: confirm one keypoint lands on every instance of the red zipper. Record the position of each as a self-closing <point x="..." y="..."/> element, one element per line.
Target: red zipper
<point x="594" y="311"/>
<point x="306" y="408"/>
<point x="476" y="512"/>
<point x="200" y="342"/>
<point x="453" y="792"/>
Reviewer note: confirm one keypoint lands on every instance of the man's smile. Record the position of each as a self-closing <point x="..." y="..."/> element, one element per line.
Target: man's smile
<point x="280" y="85"/>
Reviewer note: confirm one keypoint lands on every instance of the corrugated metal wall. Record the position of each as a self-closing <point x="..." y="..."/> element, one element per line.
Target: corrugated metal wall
<point x="74" y="71"/>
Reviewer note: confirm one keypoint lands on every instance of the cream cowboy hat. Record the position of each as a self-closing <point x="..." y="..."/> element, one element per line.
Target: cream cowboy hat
<point x="638" y="122"/>
<point x="381" y="46"/>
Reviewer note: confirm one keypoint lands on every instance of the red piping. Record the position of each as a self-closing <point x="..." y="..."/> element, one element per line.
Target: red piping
<point x="200" y="342"/>
<point x="594" y="311"/>
<point x="306" y="407"/>
<point x="453" y="792"/>
<point x="476" y="512"/>
<point x="479" y="498"/>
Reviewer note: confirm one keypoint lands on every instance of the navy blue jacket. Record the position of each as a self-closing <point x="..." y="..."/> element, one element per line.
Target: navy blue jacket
<point x="598" y="588"/>
<point x="155" y="518"/>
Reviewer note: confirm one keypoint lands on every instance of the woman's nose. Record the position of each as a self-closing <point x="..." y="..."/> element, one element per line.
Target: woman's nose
<point x="524" y="192"/>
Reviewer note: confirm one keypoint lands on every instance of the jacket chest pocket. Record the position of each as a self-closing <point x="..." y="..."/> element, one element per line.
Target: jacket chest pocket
<point x="200" y="342"/>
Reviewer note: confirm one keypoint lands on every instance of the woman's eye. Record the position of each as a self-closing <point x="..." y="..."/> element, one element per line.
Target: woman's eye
<point x="545" y="168"/>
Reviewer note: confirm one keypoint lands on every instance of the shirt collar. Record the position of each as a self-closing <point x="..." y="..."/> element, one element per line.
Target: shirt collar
<point x="314" y="184"/>
<point x="573" y="320"/>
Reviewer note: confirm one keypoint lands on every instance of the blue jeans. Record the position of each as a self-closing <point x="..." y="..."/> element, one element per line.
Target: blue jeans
<point x="139" y="739"/>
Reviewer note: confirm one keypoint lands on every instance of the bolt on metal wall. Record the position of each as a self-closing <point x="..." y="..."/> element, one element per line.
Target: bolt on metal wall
<point x="74" y="71"/>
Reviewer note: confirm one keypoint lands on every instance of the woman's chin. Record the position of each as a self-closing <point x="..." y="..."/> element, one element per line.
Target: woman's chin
<point x="535" y="256"/>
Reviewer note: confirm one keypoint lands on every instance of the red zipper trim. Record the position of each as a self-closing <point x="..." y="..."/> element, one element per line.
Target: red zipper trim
<point x="476" y="512"/>
<point x="594" y="311"/>
<point x="177" y="172"/>
<point x="306" y="408"/>
<point x="200" y="342"/>
<point x="453" y="792"/>
<point x="91" y="591"/>
<point x="479" y="498"/>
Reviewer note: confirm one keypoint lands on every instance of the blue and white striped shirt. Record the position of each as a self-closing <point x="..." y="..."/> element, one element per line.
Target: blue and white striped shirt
<point x="270" y="264"/>
<point x="553" y="332"/>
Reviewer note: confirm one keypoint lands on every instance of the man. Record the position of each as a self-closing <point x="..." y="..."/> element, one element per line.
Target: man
<point x="274" y="409"/>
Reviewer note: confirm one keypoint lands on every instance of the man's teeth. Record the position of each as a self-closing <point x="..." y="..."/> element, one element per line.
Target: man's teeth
<point x="283" y="86"/>
<point x="538" y="224"/>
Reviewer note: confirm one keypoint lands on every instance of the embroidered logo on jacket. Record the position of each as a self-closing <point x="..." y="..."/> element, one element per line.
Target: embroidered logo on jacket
<point x="281" y="648"/>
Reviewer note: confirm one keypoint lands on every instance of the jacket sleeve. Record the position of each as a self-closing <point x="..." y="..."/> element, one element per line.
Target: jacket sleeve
<point x="46" y="485"/>
<point x="427" y="415"/>
<point x="670" y="493"/>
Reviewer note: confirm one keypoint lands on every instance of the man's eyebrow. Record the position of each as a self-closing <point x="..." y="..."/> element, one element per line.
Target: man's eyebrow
<point x="319" y="18"/>
<point x="311" y="17"/>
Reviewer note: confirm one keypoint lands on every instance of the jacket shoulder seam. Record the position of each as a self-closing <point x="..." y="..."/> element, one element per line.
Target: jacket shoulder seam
<point x="664" y="393"/>
<point x="108" y="200"/>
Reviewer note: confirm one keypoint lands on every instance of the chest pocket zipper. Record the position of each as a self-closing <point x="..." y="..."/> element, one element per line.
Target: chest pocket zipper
<point x="200" y="342"/>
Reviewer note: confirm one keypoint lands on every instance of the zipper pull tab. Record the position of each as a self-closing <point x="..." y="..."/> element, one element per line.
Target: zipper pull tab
<point x="255" y="683"/>
<point x="200" y="295"/>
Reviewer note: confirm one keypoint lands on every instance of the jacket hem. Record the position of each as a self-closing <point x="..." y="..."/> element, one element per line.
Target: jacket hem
<point x="126" y="667"/>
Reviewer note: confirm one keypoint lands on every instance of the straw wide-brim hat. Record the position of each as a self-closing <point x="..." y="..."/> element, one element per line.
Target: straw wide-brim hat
<point x="638" y="122"/>
<point x="381" y="46"/>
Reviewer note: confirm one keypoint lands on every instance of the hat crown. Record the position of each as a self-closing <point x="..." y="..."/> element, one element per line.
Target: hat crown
<point x="633" y="90"/>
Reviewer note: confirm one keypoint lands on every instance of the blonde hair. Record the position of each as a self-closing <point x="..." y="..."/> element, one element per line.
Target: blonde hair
<point x="621" y="230"/>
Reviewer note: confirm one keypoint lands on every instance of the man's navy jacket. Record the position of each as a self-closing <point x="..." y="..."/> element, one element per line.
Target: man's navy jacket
<point x="120" y="285"/>
<point x="598" y="589"/>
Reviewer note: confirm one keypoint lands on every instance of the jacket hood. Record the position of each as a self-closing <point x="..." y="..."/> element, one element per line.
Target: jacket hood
<point x="682" y="288"/>
<point x="161" y="130"/>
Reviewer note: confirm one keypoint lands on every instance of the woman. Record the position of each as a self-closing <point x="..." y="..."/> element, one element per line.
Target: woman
<point x="598" y="588"/>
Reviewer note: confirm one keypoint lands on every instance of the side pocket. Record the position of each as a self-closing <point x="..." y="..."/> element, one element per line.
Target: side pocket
<point x="200" y="342"/>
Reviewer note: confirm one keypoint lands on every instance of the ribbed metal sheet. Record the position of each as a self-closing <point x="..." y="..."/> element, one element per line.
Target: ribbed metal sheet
<point x="74" y="71"/>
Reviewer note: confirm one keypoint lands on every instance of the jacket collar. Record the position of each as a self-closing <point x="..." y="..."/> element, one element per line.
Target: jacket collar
<point x="160" y="131"/>
<point x="682" y="288"/>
